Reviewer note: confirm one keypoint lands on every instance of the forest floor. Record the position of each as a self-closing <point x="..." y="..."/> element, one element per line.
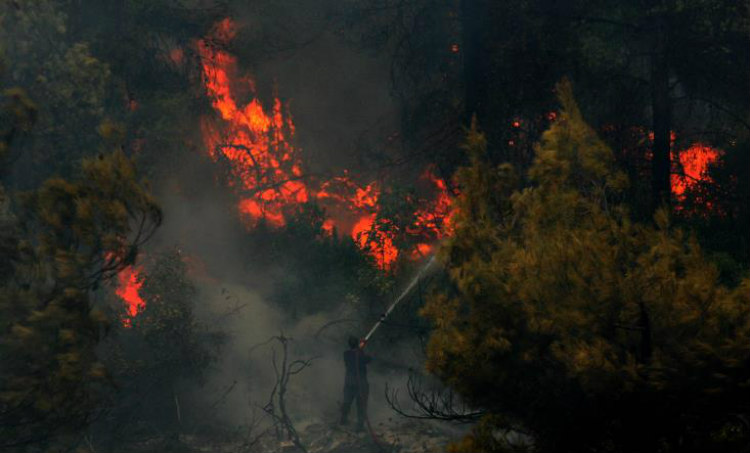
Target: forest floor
<point x="395" y="436"/>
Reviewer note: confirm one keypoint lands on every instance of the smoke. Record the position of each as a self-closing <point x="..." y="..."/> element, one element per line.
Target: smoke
<point x="337" y="96"/>
<point x="233" y="292"/>
<point x="247" y="360"/>
<point x="314" y="395"/>
<point x="340" y="100"/>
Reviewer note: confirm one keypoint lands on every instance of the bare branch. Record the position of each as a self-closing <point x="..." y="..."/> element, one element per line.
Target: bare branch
<point x="277" y="399"/>
<point x="431" y="404"/>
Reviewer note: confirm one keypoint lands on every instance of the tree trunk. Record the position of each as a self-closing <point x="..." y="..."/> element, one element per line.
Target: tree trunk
<point x="661" y="112"/>
<point x="474" y="60"/>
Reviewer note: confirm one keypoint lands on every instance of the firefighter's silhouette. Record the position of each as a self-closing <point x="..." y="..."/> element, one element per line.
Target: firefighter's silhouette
<point x="356" y="387"/>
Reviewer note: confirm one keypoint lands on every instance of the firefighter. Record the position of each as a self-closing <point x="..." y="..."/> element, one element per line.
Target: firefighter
<point x="356" y="387"/>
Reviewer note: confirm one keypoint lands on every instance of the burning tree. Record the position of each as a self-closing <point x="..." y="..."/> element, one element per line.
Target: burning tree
<point x="267" y="170"/>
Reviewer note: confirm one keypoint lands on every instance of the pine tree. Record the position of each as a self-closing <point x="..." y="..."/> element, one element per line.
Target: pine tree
<point x="61" y="241"/>
<point x="578" y="326"/>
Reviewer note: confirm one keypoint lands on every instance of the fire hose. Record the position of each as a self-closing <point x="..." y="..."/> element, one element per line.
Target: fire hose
<point x="401" y="297"/>
<point x="361" y="402"/>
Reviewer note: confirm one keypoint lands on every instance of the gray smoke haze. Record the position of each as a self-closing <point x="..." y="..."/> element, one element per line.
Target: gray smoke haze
<point x="340" y="100"/>
<point x="231" y="299"/>
<point x="232" y="292"/>
<point x="340" y="94"/>
<point x="337" y="96"/>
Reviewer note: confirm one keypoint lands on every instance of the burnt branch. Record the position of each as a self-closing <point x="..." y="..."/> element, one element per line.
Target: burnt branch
<point x="276" y="405"/>
<point x="431" y="404"/>
<point x="265" y="178"/>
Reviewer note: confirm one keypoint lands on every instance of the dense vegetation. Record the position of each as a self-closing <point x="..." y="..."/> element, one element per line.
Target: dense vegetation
<point x="575" y="324"/>
<point x="59" y="243"/>
<point x="583" y="305"/>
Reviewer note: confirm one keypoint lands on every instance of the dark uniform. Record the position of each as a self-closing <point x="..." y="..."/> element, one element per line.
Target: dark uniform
<point x="355" y="384"/>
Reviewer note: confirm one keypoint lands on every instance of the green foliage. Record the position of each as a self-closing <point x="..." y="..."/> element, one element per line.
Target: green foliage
<point x="331" y="270"/>
<point x="70" y="86"/>
<point x="91" y="220"/>
<point x="98" y="62"/>
<point x="58" y="244"/>
<point x="160" y="349"/>
<point x="176" y="342"/>
<point x="17" y="117"/>
<point x="579" y="326"/>
<point x="158" y="98"/>
<point x="396" y="217"/>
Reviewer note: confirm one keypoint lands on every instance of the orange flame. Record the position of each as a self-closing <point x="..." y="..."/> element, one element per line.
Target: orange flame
<point x="256" y="142"/>
<point x="690" y="172"/>
<point x="253" y="140"/>
<point x="376" y="242"/>
<point x="695" y="162"/>
<point x="129" y="283"/>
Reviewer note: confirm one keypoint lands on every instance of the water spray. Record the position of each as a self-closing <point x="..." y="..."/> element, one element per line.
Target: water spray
<point x="401" y="297"/>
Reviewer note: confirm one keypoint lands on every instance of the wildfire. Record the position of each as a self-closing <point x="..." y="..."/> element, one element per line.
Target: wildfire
<point x="690" y="173"/>
<point x="695" y="162"/>
<point x="128" y="285"/>
<point x="256" y="142"/>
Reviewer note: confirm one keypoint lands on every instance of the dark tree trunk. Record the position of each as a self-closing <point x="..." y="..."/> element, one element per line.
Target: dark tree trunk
<point x="661" y="111"/>
<point x="473" y="14"/>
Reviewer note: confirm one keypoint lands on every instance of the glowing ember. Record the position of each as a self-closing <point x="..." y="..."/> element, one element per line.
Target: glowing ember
<point x="129" y="284"/>
<point x="256" y="142"/>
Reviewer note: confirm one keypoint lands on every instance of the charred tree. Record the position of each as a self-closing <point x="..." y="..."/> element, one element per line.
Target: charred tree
<point x="276" y="406"/>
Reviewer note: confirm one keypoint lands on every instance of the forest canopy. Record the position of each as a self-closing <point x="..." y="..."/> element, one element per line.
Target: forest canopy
<point x="577" y="325"/>
<point x="538" y="210"/>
